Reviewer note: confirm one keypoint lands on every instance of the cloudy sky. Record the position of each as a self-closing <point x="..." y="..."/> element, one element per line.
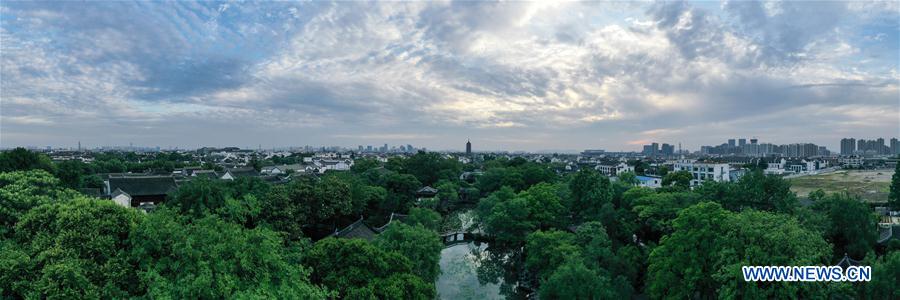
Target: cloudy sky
<point x="510" y="76"/>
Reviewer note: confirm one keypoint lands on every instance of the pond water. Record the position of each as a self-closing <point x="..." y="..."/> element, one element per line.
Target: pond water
<point x="459" y="277"/>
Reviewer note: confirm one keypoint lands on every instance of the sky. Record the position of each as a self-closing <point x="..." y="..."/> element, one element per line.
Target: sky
<point x="527" y="76"/>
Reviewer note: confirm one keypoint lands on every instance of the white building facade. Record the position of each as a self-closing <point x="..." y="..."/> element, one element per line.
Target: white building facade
<point x="701" y="171"/>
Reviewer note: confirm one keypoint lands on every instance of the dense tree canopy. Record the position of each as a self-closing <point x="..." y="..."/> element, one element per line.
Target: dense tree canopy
<point x="23" y="190"/>
<point x="703" y="256"/>
<point x="681" y="179"/>
<point x="20" y="159"/>
<point x="549" y="232"/>
<point x="420" y="245"/>
<point x="590" y="191"/>
<point x="851" y="225"/>
<point x="357" y="269"/>
<point x="894" y="193"/>
<point x="213" y="259"/>
<point x="72" y="249"/>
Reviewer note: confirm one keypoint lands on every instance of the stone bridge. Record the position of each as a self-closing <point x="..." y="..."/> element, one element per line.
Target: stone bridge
<point x="461" y="237"/>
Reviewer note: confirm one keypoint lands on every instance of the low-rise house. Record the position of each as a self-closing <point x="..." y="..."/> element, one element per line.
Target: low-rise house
<point x="132" y="191"/>
<point x="337" y="165"/>
<point x="703" y="171"/>
<point x="852" y="162"/>
<point x="426" y="192"/>
<point x="272" y="170"/>
<point x="357" y="230"/>
<point x="649" y="182"/>
<point x="232" y="174"/>
<point x="609" y="169"/>
<point x="776" y="167"/>
<point x="209" y="174"/>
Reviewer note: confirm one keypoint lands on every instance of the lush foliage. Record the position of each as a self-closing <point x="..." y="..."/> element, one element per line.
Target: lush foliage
<point x="894" y="196"/>
<point x="551" y="232"/>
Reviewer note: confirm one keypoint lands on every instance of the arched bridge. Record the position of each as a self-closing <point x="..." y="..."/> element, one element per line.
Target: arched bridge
<point x="461" y="237"/>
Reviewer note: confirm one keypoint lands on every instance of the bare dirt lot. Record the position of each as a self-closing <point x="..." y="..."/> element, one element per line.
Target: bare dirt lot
<point x="870" y="185"/>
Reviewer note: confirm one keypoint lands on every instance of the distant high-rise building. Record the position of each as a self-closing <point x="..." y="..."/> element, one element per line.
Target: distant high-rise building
<point x="848" y="146"/>
<point x="753" y="141"/>
<point x="862" y="145"/>
<point x="880" y="147"/>
<point x="742" y="142"/>
<point x="731" y="143"/>
<point x="468" y="147"/>
<point x="895" y="146"/>
<point x="667" y="150"/>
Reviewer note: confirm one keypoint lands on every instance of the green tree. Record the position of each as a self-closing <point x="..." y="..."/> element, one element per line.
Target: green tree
<point x="401" y="286"/>
<point x="545" y="206"/>
<point x="628" y="178"/>
<point x="589" y="192"/>
<point x="352" y="266"/>
<point x="763" y="192"/>
<point x="20" y="159"/>
<point x="702" y="258"/>
<point x="420" y="245"/>
<point x="885" y="275"/>
<point x="509" y="221"/>
<point x="244" y="211"/>
<point x="681" y="179"/>
<point x="495" y="178"/>
<point x="681" y="267"/>
<point x="448" y="192"/>
<point x="282" y="209"/>
<point x="362" y="165"/>
<point x="77" y="248"/>
<point x="246" y="185"/>
<point x="547" y="250"/>
<point x="427" y="218"/>
<point x="750" y="241"/>
<point x="657" y="211"/>
<point x="486" y="204"/>
<point x="852" y="227"/>
<point x="429" y="167"/>
<point x="401" y="191"/>
<point x="533" y="173"/>
<point x="596" y="248"/>
<point x="23" y="190"/>
<point x="663" y="171"/>
<point x="894" y="195"/>
<point x="575" y="281"/>
<point x="332" y="199"/>
<point x="71" y="173"/>
<point x="212" y="259"/>
<point x="199" y="197"/>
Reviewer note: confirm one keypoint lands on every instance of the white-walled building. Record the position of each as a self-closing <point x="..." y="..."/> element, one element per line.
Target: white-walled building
<point x="650" y="182"/>
<point x="614" y="169"/>
<point x="701" y="171"/>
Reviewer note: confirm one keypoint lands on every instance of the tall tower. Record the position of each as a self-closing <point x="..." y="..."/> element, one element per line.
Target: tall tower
<point x="468" y="147"/>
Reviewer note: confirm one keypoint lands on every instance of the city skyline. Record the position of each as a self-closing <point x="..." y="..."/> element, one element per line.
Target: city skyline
<point x="733" y="146"/>
<point x="510" y="76"/>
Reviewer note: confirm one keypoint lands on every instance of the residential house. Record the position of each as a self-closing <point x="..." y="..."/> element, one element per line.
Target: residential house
<point x="133" y="191"/>
<point x="649" y="182"/>
<point x="609" y="169"/>
<point x="704" y="171"/>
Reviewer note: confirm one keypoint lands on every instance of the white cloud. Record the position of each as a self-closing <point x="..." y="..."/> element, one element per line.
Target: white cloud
<point x="659" y="71"/>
